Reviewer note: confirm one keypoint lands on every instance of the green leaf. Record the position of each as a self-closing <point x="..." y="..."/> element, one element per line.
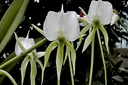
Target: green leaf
<point x="105" y="36"/>
<point x="9" y="16"/>
<point x="33" y="72"/>
<point x="9" y="76"/>
<point x="86" y="28"/>
<point x="23" y="68"/>
<point x="59" y="59"/>
<point x="89" y="38"/>
<point x="11" y="20"/>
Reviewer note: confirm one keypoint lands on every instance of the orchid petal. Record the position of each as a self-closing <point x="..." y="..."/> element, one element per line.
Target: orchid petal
<point x="106" y="38"/>
<point x="73" y="54"/>
<point x="59" y="60"/>
<point x="89" y="39"/>
<point x="48" y="51"/>
<point x="105" y="12"/>
<point x="40" y="54"/>
<point x="38" y="29"/>
<point x="70" y="26"/>
<point x="92" y="11"/>
<point x="23" y="68"/>
<point x="52" y="25"/>
<point x="33" y="72"/>
<point x="86" y="28"/>
<point x="41" y="65"/>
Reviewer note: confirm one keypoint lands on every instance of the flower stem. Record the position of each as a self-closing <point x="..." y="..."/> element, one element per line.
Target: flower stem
<point x="92" y="62"/>
<point x="102" y="55"/>
<point x="23" y="54"/>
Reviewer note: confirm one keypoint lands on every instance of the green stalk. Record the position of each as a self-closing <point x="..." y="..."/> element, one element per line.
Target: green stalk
<point x="92" y="61"/>
<point x="103" y="60"/>
<point x="23" y="54"/>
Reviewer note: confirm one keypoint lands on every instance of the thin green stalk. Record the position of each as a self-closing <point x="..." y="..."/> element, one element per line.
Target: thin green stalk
<point x="92" y="61"/>
<point x="71" y="70"/>
<point x="103" y="60"/>
<point x="23" y="54"/>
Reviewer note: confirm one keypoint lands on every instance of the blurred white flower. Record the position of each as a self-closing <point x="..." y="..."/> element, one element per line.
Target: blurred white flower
<point x="100" y="11"/>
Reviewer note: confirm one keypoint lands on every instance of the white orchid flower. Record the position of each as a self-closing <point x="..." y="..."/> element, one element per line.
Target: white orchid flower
<point x="61" y="25"/>
<point x="26" y="43"/>
<point x="101" y="11"/>
<point x="22" y="45"/>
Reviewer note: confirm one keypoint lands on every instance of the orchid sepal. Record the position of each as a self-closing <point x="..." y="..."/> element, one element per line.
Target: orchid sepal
<point x="23" y="68"/>
<point x="38" y="29"/>
<point x="82" y="33"/>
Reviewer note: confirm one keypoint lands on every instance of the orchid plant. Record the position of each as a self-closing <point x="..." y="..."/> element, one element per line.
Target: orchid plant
<point x="61" y="29"/>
